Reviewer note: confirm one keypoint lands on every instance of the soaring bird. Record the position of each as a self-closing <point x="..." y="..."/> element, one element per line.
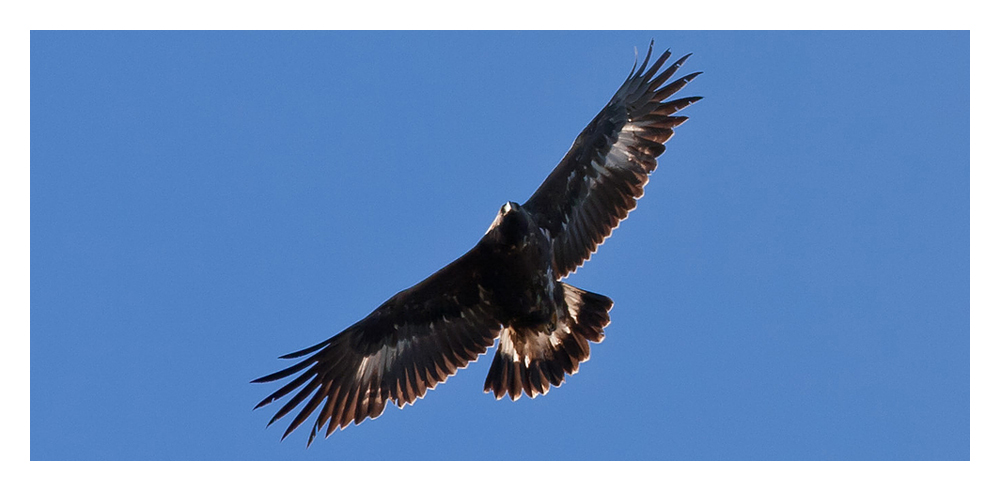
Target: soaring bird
<point x="508" y="286"/>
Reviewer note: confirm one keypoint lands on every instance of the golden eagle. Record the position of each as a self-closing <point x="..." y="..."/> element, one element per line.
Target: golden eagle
<point x="508" y="286"/>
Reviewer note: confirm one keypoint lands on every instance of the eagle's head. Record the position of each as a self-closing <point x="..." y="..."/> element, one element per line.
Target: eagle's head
<point x="511" y="226"/>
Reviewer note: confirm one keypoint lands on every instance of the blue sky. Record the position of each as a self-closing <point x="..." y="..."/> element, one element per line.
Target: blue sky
<point x="794" y="285"/>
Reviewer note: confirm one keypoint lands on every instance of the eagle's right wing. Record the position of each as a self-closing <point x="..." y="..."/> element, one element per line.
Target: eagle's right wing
<point x="413" y="341"/>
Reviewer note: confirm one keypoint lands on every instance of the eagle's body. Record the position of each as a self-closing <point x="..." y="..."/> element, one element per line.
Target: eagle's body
<point x="522" y="286"/>
<point x="508" y="286"/>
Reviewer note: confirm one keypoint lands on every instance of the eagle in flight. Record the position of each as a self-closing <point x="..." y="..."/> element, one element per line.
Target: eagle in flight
<point x="508" y="286"/>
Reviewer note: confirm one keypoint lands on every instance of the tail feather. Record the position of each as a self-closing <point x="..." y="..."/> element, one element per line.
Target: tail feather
<point x="533" y="360"/>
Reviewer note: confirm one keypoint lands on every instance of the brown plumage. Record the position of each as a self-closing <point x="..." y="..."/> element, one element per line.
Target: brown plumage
<point x="507" y="286"/>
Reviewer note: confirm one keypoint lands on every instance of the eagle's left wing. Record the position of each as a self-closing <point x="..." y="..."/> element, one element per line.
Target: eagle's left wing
<point x="599" y="180"/>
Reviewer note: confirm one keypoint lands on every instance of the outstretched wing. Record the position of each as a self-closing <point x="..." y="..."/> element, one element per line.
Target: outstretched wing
<point x="417" y="338"/>
<point x="599" y="180"/>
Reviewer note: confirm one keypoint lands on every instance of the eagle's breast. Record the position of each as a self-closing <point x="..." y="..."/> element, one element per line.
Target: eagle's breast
<point x="520" y="283"/>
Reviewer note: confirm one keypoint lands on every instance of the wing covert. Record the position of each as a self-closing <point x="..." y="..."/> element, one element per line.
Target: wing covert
<point x="602" y="175"/>
<point x="413" y="341"/>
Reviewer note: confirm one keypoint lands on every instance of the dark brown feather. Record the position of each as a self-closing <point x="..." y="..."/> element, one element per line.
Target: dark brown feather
<point x="531" y="360"/>
<point x="414" y="341"/>
<point x="423" y="335"/>
<point x="580" y="205"/>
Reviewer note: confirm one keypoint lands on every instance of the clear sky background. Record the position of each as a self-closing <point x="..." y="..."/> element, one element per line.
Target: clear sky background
<point x="794" y="285"/>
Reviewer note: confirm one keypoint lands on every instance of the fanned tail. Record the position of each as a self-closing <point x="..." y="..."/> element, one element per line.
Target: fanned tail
<point x="532" y="360"/>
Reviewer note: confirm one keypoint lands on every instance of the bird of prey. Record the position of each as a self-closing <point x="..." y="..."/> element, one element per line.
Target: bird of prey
<point x="509" y="286"/>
